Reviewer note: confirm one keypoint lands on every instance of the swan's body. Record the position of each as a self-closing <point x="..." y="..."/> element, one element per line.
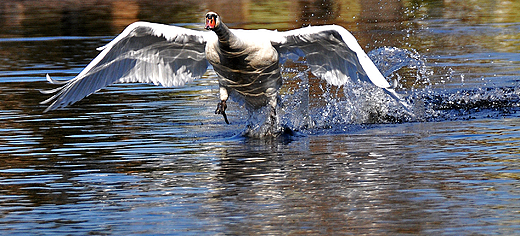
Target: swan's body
<point x="248" y="67"/>
<point x="246" y="61"/>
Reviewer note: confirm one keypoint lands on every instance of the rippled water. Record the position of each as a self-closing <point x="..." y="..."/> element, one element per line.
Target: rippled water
<point x="140" y="159"/>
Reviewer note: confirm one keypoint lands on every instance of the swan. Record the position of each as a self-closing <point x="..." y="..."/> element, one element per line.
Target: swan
<point x="247" y="62"/>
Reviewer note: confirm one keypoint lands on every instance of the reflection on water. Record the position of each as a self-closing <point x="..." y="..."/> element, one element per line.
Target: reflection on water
<point x="385" y="179"/>
<point x="140" y="159"/>
<point x="33" y="18"/>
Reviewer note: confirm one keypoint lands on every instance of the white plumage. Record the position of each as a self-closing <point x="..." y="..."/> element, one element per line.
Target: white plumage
<point x="247" y="61"/>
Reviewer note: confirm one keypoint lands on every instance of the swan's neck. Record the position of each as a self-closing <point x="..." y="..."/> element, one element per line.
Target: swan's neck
<point x="225" y="36"/>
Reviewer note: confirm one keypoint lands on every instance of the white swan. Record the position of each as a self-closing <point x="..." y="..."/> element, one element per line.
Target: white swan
<point x="246" y="61"/>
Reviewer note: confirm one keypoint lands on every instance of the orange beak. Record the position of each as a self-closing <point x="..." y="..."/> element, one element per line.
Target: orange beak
<point x="210" y="23"/>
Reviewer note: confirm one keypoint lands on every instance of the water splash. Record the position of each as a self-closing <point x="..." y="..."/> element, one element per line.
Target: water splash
<point x="309" y="104"/>
<point x="391" y="59"/>
<point x="437" y="104"/>
<point x="261" y="123"/>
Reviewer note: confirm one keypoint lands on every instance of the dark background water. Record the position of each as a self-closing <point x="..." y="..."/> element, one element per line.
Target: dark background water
<point x="140" y="159"/>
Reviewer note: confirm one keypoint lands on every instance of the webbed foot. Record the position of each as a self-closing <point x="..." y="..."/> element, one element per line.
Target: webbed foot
<point x="221" y="109"/>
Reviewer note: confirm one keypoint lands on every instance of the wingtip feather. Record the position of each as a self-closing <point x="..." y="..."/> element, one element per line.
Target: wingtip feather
<point x="53" y="81"/>
<point x="402" y="102"/>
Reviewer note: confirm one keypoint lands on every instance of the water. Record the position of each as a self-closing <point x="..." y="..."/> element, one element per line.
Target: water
<point x="140" y="159"/>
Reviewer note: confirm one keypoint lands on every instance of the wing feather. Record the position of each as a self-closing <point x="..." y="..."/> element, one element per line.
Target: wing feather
<point x="333" y="54"/>
<point x="144" y="52"/>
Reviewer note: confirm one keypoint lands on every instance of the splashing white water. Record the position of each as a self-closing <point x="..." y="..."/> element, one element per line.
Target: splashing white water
<point x="308" y="102"/>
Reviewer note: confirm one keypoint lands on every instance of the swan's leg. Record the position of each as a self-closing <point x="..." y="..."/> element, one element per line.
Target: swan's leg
<point x="273" y="128"/>
<point x="221" y="106"/>
<point x="273" y="103"/>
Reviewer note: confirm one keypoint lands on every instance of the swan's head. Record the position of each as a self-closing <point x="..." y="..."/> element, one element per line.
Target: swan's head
<point x="212" y="21"/>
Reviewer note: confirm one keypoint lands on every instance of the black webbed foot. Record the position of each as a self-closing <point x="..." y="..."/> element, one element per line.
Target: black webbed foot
<point x="221" y="109"/>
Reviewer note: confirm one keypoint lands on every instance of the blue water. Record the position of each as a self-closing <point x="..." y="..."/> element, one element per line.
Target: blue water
<point x="141" y="159"/>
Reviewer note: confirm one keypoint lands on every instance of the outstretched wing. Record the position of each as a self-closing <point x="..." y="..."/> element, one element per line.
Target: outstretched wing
<point x="143" y="52"/>
<point x="333" y="54"/>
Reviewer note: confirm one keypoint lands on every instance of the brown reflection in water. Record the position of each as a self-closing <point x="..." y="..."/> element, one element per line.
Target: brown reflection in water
<point x="86" y="18"/>
<point x="382" y="15"/>
<point x="107" y="17"/>
<point x="126" y="14"/>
